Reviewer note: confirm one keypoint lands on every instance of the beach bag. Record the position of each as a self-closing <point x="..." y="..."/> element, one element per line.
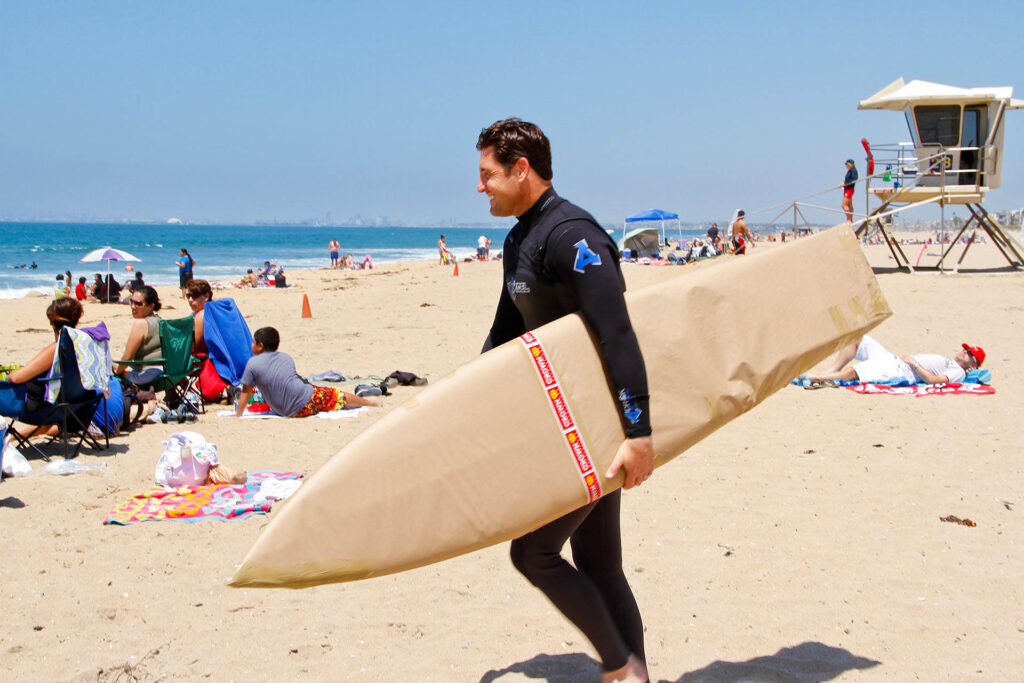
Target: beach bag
<point x="212" y="384"/>
<point x="186" y="460"/>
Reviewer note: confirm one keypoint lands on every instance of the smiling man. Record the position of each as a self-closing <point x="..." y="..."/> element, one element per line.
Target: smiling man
<point x="557" y="260"/>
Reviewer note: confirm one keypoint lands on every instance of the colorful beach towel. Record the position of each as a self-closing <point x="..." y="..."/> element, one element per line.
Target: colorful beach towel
<point x="922" y="389"/>
<point x="256" y="412"/>
<point x="196" y="503"/>
<point x="975" y="383"/>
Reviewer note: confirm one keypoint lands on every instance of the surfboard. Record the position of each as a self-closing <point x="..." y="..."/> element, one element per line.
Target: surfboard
<point x="524" y="433"/>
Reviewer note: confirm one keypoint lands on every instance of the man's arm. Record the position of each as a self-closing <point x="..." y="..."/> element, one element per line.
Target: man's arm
<point x="923" y="373"/>
<point x="243" y="399"/>
<point x="586" y="262"/>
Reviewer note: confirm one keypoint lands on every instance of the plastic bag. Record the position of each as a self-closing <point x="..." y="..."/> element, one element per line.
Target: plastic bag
<point x="186" y="460"/>
<point x="72" y="467"/>
<point x="15" y="464"/>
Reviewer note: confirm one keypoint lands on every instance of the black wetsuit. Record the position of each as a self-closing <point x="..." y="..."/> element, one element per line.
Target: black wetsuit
<point x="558" y="260"/>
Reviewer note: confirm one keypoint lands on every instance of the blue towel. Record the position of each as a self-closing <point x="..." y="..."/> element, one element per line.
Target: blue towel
<point x="976" y="376"/>
<point x="228" y="338"/>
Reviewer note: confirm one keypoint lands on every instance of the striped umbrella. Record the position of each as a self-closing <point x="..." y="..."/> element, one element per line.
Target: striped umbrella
<point x="108" y="254"/>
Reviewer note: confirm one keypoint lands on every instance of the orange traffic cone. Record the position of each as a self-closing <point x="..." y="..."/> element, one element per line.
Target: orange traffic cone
<point x="456" y="271"/>
<point x="306" y="313"/>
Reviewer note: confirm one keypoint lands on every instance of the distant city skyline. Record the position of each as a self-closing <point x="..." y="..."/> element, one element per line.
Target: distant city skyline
<point x="241" y="113"/>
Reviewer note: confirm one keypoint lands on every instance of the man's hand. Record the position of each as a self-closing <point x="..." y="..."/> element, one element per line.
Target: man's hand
<point x="637" y="457"/>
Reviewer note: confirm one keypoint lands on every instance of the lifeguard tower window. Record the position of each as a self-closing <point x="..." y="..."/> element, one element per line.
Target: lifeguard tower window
<point x="973" y="136"/>
<point x="938" y="124"/>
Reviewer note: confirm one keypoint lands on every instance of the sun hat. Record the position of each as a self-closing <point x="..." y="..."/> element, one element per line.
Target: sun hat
<point x="977" y="352"/>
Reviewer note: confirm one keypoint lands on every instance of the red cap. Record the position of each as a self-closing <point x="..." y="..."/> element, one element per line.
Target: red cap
<point x="977" y="352"/>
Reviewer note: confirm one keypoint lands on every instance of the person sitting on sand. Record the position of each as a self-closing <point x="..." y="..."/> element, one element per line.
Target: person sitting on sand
<point x="136" y="283"/>
<point x="249" y="280"/>
<point x="287" y="394"/>
<point x="81" y="291"/>
<point x="143" y="339"/>
<point x="64" y="312"/>
<point x="881" y="366"/>
<point x="61" y="288"/>
<point x="197" y="293"/>
<point x="264" y="275"/>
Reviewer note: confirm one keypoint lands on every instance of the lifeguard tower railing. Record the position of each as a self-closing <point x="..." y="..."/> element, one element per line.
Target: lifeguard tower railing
<point x="907" y="182"/>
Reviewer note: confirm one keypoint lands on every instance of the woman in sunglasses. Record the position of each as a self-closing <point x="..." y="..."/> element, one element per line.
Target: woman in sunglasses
<point x="143" y="339"/>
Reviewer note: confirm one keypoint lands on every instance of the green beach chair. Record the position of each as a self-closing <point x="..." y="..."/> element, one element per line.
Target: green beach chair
<point x="179" y="364"/>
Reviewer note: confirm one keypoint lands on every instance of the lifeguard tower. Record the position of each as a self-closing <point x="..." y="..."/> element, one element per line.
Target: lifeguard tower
<point x="955" y="157"/>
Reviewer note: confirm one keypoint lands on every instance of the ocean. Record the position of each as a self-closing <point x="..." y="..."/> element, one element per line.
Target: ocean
<point x="221" y="252"/>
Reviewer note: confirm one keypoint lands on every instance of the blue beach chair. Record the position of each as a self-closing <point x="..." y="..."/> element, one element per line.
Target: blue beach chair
<point x="72" y="411"/>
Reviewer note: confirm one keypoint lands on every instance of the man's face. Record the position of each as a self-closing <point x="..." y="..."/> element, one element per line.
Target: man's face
<point x="966" y="360"/>
<point x="501" y="186"/>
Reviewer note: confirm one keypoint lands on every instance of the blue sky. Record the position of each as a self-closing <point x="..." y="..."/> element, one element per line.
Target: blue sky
<point x="255" y="111"/>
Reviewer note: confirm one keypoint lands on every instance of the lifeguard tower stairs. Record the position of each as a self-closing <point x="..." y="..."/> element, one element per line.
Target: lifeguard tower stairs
<point x="955" y="157"/>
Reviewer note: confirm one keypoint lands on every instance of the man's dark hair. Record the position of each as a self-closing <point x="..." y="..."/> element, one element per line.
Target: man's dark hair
<point x="514" y="138"/>
<point x="268" y="338"/>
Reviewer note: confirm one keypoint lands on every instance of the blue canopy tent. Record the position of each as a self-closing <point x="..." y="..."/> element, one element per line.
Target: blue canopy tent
<point x="646" y="241"/>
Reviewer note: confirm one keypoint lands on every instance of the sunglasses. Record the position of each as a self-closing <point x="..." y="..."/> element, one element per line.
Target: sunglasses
<point x="136" y="302"/>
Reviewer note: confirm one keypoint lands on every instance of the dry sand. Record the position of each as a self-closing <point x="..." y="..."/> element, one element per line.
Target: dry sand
<point x="800" y="542"/>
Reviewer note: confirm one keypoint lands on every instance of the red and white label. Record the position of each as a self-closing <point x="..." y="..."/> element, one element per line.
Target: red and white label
<point x="563" y="416"/>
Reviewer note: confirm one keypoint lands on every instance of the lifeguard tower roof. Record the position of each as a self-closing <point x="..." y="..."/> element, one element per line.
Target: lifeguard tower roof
<point x="900" y="96"/>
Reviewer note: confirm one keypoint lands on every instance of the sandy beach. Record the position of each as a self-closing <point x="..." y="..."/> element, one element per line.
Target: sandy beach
<point x="802" y="542"/>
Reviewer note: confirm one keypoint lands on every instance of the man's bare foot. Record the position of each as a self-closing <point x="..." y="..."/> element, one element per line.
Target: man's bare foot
<point x="635" y="671"/>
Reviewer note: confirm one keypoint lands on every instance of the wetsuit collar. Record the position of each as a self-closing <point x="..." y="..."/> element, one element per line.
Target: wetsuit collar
<point x="533" y="214"/>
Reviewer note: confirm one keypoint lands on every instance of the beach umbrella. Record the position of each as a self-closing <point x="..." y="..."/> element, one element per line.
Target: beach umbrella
<point x="107" y="254"/>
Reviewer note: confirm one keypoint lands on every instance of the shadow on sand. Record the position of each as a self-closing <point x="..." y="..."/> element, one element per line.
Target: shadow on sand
<point x="569" y="668"/>
<point x="806" y="663"/>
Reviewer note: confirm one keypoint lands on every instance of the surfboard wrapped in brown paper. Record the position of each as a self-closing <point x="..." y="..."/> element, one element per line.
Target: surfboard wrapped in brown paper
<point x="524" y="433"/>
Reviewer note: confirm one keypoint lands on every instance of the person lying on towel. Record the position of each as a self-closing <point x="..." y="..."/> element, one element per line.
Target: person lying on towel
<point x="285" y="392"/>
<point x="879" y="366"/>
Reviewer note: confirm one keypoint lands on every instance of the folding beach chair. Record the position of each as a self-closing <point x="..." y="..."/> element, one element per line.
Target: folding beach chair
<point x="73" y="409"/>
<point x="180" y="367"/>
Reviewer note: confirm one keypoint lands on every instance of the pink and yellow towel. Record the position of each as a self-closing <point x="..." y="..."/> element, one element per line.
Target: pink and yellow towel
<point x="196" y="503"/>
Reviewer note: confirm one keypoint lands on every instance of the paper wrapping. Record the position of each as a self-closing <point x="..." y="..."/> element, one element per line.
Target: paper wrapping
<point x="491" y="452"/>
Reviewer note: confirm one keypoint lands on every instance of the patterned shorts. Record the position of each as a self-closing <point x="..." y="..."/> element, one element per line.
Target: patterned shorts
<point x="325" y="399"/>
